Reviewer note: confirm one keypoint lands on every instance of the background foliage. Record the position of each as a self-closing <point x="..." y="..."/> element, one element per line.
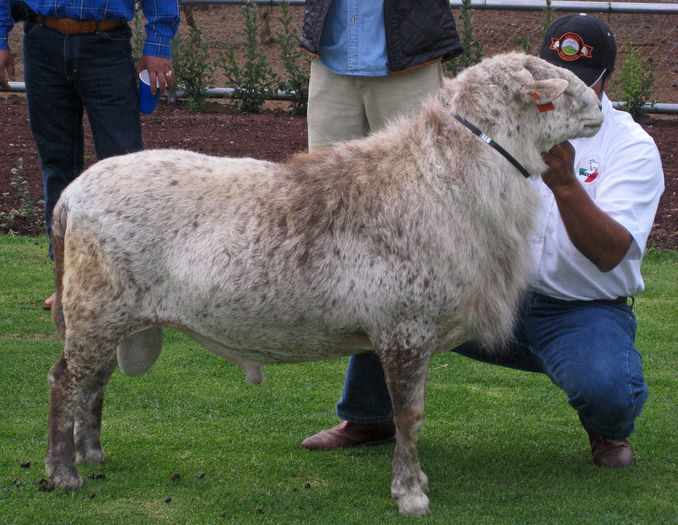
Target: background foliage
<point x="254" y="79"/>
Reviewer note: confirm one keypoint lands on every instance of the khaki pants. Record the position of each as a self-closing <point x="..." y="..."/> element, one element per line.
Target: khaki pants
<point x="343" y="107"/>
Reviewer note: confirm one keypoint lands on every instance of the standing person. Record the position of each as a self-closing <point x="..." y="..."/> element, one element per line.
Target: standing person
<point x="373" y="61"/>
<point x="576" y="324"/>
<point x="78" y="56"/>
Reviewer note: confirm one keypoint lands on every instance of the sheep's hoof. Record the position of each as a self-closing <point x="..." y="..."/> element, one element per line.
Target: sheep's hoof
<point x="91" y="456"/>
<point x="64" y="476"/>
<point x="423" y="482"/>
<point x="414" y="505"/>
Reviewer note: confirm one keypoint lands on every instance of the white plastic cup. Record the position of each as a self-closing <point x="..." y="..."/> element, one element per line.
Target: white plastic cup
<point x="147" y="100"/>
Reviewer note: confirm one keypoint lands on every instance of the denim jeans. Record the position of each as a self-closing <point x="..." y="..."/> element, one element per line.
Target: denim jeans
<point x="68" y="74"/>
<point x="585" y="347"/>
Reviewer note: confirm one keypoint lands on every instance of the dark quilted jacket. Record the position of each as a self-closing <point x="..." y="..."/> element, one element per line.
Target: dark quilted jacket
<point x="417" y="31"/>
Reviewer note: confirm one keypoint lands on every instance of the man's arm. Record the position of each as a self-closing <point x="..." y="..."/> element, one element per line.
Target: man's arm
<point x="597" y="236"/>
<point x="6" y="68"/>
<point x="6" y="58"/>
<point x="163" y="21"/>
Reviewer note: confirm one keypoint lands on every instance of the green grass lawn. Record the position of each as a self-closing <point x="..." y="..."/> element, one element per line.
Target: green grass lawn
<point x="498" y="445"/>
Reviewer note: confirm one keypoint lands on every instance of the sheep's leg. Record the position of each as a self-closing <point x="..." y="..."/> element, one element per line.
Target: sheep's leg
<point x="406" y="379"/>
<point x="60" y="458"/>
<point x="90" y="403"/>
<point x="82" y="371"/>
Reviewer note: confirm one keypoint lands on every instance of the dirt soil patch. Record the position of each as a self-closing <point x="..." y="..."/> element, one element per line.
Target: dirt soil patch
<point x="273" y="135"/>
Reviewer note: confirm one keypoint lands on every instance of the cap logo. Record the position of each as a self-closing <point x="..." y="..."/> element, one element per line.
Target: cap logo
<point x="571" y="47"/>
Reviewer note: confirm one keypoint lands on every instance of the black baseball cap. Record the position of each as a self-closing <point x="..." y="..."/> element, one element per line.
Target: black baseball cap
<point x="581" y="43"/>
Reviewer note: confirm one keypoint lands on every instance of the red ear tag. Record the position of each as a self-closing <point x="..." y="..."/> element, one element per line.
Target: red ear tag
<point x="543" y="107"/>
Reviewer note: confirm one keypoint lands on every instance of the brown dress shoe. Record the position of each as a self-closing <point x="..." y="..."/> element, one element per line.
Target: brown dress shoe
<point x="347" y="434"/>
<point x="49" y="302"/>
<point x="609" y="453"/>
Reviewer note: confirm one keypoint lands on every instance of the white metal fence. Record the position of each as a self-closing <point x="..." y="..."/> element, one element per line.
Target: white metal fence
<point x="650" y="26"/>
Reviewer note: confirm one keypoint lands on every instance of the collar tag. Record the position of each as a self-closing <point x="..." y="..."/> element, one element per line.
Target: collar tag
<point x="490" y="141"/>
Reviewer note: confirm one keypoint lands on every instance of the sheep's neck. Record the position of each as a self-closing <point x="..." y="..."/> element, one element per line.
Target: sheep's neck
<point x="491" y="142"/>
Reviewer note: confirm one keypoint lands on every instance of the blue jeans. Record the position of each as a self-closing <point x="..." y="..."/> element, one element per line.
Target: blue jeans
<point x="68" y="74"/>
<point x="585" y="347"/>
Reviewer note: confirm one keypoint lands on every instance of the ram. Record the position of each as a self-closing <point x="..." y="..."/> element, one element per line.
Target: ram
<point x="407" y="243"/>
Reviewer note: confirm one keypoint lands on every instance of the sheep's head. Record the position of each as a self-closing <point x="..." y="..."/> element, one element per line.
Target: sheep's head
<point x="525" y="104"/>
<point x="568" y="108"/>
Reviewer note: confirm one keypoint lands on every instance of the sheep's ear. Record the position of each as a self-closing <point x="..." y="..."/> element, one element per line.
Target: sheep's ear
<point x="544" y="92"/>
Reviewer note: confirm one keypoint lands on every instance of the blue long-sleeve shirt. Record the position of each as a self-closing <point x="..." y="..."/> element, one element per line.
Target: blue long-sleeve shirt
<point x="353" y="41"/>
<point x="162" y="18"/>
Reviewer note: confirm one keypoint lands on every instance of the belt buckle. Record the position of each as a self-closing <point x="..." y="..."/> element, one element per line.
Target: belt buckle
<point x="68" y="26"/>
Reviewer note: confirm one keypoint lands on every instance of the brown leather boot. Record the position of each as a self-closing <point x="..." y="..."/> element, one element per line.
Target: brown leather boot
<point x="347" y="434"/>
<point x="609" y="453"/>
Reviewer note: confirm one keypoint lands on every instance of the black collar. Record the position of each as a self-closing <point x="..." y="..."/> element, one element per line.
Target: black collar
<point x="489" y="140"/>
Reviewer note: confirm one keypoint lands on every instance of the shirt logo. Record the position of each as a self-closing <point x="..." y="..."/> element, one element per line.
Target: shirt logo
<point x="590" y="173"/>
<point x="571" y="47"/>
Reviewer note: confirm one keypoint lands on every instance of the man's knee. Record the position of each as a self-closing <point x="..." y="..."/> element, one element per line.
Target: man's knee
<point x="611" y="408"/>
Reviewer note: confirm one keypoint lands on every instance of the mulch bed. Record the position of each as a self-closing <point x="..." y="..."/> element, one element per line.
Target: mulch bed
<point x="273" y="135"/>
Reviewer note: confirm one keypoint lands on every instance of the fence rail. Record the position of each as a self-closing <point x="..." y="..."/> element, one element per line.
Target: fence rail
<point x="575" y="6"/>
<point x="514" y="5"/>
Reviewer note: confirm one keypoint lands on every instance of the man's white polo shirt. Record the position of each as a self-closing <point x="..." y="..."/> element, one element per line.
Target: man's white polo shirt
<point x="621" y="170"/>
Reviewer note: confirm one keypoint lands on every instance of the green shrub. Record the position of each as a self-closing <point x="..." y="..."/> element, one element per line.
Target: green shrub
<point x="636" y="84"/>
<point x="296" y="82"/>
<point x="526" y="41"/>
<point x="193" y="71"/>
<point x="138" y="33"/>
<point x="525" y="44"/>
<point x="254" y="81"/>
<point x="473" y="50"/>
<point x="548" y="17"/>
<point x="28" y="216"/>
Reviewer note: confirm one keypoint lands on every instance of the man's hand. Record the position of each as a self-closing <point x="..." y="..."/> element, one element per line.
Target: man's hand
<point x="595" y="234"/>
<point x="160" y="71"/>
<point x="6" y="65"/>
<point x="560" y="160"/>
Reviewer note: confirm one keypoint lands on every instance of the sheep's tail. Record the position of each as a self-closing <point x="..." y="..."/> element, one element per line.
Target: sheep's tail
<point x="59" y="219"/>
